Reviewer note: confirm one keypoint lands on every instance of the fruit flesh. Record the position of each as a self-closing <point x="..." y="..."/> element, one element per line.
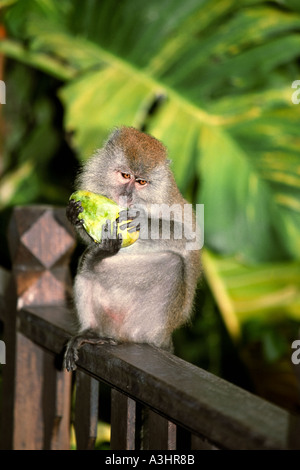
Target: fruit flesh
<point x="97" y="209"/>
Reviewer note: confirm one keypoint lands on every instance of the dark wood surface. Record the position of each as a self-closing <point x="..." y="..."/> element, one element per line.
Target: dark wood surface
<point x="86" y="411"/>
<point x="159" y="432"/>
<point x="123" y="422"/>
<point x="225" y="415"/>
<point x="36" y="394"/>
<point x="55" y="407"/>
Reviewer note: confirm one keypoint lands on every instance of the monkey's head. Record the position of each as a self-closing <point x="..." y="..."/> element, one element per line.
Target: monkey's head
<point x="132" y="168"/>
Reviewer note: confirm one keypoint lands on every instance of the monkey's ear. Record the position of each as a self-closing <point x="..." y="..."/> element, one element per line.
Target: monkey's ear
<point x="169" y="161"/>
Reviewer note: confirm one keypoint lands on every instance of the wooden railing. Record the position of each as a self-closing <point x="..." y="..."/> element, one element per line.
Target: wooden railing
<point x="158" y="401"/>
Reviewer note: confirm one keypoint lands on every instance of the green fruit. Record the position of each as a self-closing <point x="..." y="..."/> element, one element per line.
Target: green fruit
<point x="97" y="209"/>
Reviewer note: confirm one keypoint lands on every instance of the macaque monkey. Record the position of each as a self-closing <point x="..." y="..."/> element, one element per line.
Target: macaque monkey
<point x="143" y="292"/>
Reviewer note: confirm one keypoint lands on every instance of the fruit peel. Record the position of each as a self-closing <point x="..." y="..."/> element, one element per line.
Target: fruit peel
<point x="97" y="209"/>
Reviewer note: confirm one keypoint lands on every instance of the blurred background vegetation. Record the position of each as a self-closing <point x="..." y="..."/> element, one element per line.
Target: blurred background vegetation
<point x="213" y="80"/>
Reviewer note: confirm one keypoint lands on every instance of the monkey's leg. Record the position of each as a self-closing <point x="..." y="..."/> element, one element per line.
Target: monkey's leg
<point x="76" y="342"/>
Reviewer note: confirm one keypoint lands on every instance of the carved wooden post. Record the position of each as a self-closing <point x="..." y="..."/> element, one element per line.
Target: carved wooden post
<point x="36" y="395"/>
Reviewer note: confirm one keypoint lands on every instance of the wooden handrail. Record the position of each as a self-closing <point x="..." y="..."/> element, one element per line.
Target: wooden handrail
<point x="226" y="415"/>
<point x="173" y="394"/>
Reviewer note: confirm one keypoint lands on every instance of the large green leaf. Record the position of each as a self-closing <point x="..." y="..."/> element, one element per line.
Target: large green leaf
<point x="268" y="293"/>
<point x="119" y="90"/>
<point x="243" y="220"/>
<point x="224" y="69"/>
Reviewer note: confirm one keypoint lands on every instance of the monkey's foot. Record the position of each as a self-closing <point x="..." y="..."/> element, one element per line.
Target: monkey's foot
<point x="75" y="343"/>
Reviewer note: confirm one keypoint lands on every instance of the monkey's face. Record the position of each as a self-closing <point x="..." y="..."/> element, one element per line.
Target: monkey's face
<point x="133" y="184"/>
<point x="128" y="187"/>
<point x="110" y="174"/>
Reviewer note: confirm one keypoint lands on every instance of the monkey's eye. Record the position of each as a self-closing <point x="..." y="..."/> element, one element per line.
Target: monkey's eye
<point x="126" y="176"/>
<point x="142" y="182"/>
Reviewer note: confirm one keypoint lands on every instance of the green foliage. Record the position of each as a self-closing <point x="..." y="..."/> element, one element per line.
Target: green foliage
<point x="212" y="80"/>
<point x="224" y="71"/>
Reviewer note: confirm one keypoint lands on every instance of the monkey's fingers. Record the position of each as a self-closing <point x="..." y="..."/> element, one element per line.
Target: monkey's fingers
<point x="74" y="208"/>
<point x="116" y="243"/>
<point x="127" y="214"/>
<point x="111" y="241"/>
<point x="131" y="227"/>
<point x="123" y="216"/>
<point x="114" y="231"/>
<point x="110" y="230"/>
<point x="106" y="230"/>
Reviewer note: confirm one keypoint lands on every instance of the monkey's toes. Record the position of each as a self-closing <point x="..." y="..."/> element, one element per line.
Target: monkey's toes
<point x="70" y="358"/>
<point x="111" y="341"/>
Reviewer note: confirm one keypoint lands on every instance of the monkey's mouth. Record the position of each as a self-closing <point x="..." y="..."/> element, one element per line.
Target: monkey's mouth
<point x="125" y="201"/>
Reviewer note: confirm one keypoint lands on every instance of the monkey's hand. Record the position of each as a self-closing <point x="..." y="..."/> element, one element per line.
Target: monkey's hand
<point x="76" y="342"/>
<point x="111" y="241"/>
<point x="74" y="208"/>
<point x="129" y="219"/>
<point x="110" y="244"/>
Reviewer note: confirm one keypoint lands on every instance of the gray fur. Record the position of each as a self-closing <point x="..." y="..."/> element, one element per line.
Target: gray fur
<point x="143" y="292"/>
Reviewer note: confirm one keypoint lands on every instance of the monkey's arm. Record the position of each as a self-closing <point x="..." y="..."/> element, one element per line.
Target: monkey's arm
<point x="110" y="244"/>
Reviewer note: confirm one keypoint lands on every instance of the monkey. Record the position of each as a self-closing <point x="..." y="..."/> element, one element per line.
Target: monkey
<point x="141" y="293"/>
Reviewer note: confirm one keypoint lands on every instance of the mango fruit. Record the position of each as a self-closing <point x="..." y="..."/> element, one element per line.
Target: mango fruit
<point x="97" y="209"/>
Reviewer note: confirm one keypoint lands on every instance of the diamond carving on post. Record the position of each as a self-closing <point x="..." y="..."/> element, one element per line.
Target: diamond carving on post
<point x="47" y="240"/>
<point x="41" y="245"/>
